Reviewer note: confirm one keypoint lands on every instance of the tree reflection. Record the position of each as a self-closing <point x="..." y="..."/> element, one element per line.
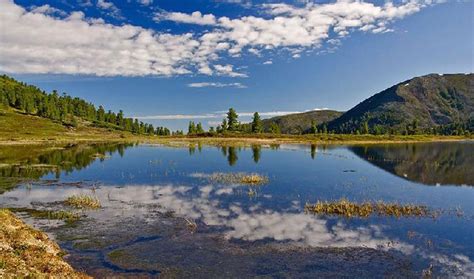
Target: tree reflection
<point x="256" y="152"/>
<point x="49" y="160"/>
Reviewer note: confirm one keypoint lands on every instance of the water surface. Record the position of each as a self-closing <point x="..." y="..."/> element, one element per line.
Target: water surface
<point x="162" y="216"/>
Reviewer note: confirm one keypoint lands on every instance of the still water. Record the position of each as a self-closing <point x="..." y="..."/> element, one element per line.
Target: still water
<point x="162" y="215"/>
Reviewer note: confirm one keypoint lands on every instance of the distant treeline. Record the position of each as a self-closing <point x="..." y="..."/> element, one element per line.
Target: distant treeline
<point x="68" y="110"/>
<point x="230" y="124"/>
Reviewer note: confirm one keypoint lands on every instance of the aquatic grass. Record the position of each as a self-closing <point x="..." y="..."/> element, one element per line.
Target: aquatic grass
<point x="344" y="207"/>
<point x="251" y="179"/>
<point x="83" y="202"/>
<point x="67" y="216"/>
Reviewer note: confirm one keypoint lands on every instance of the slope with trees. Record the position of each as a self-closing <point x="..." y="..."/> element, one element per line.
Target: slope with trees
<point x="67" y="110"/>
<point x="431" y="104"/>
<point x="299" y="123"/>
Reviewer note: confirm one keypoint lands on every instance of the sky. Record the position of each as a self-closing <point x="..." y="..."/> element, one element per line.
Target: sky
<point x="169" y="62"/>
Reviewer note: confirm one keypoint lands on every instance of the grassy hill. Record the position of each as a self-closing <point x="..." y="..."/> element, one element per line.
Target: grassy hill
<point x="299" y="123"/>
<point x="18" y="126"/>
<point x="431" y="103"/>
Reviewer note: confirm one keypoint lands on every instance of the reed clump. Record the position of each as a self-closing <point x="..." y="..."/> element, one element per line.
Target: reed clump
<point x="83" y="202"/>
<point x="344" y="207"/>
<point x="253" y="179"/>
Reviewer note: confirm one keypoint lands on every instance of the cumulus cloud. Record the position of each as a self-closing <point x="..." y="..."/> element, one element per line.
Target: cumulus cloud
<point x="216" y="84"/>
<point x="37" y="42"/>
<point x="48" y="10"/>
<point x="194" y="18"/>
<point x="110" y="7"/>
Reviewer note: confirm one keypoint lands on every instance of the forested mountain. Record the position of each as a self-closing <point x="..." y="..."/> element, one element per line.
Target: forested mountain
<point x="299" y="123"/>
<point x="440" y="104"/>
<point x="67" y="110"/>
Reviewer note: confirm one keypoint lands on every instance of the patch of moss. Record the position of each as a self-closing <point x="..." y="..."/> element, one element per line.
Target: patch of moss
<point x="29" y="253"/>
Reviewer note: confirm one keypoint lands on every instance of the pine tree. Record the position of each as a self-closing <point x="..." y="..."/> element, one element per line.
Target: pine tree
<point x="314" y="128"/>
<point x="224" y="126"/>
<point x="199" y="128"/>
<point x="232" y="122"/>
<point x="191" y="128"/>
<point x="256" y="123"/>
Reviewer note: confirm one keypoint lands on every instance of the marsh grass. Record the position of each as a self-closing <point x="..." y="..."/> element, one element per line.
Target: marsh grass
<point x="251" y="179"/>
<point x="83" y="202"/>
<point x="67" y="216"/>
<point x="345" y="208"/>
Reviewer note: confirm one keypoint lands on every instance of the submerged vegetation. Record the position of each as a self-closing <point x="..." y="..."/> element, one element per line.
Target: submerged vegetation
<point x="29" y="253"/>
<point x="67" y="216"/>
<point x="83" y="202"/>
<point x="346" y="208"/>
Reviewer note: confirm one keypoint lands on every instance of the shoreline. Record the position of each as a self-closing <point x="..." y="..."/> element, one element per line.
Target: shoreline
<point x="27" y="251"/>
<point x="246" y="139"/>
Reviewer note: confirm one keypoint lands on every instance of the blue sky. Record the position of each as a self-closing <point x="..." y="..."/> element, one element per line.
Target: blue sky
<point x="175" y="61"/>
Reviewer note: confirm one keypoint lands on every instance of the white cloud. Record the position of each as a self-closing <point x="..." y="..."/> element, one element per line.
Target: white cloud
<point x="36" y="42"/>
<point x="194" y="18"/>
<point x="110" y="7"/>
<point x="227" y="70"/>
<point x="48" y="10"/>
<point x="145" y="2"/>
<point x="268" y="62"/>
<point x="216" y="84"/>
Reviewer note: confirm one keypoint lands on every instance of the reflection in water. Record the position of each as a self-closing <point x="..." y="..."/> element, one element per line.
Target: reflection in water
<point x="256" y="223"/>
<point x="19" y="162"/>
<point x="430" y="163"/>
<point x="256" y="152"/>
<point x="141" y="188"/>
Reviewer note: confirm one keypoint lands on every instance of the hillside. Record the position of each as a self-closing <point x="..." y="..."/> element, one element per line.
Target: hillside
<point x="26" y="109"/>
<point x="19" y="127"/>
<point x="442" y="104"/>
<point x="300" y="122"/>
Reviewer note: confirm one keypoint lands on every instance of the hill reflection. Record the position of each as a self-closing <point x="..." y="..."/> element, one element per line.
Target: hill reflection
<point x="429" y="163"/>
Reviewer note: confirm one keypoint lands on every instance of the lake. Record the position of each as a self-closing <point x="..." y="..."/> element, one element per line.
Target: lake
<point x="169" y="211"/>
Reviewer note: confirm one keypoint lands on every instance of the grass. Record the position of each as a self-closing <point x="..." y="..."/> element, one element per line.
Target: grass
<point x="83" y="202"/>
<point x="344" y="207"/>
<point x="67" y="216"/>
<point x="252" y="179"/>
<point x="29" y="253"/>
<point x="19" y="128"/>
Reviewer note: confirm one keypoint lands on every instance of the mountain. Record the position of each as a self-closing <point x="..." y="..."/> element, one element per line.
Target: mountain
<point x="300" y="122"/>
<point x="444" y="103"/>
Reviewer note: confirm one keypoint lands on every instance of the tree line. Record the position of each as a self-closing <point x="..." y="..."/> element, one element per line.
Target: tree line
<point x="68" y="110"/>
<point x="232" y="124"/>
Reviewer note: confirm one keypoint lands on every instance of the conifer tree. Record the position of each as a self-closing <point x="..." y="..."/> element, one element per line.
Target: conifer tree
<point x="256" y="123"/>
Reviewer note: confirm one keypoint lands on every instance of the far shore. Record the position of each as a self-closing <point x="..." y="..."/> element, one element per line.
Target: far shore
<point x="239" y="139"/>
